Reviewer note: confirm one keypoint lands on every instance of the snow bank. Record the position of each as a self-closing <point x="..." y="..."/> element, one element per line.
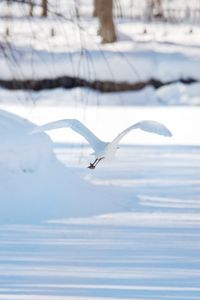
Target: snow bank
<point x="21" y="151"/>
<point x="35" y="186"/>
<point x="179" y="94"/>
<point x="170" y="94"/>
<point x="130" y="66"/>
<point x="164" y="53"/>
<point x="77" y="97"/>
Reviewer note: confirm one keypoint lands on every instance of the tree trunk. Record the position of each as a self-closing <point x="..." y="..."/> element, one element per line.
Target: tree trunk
<point x="31" y="8"/>
<point x="158" y="12"/>
<point x="97" y="5"/>
<point x="44" y="8"/>
<point x="154" y="9"/>
<point x="107" y="28"/>
<point x="8" y="12"/>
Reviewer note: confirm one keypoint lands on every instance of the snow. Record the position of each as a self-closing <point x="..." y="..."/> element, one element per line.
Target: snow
<point x="35" y="186"/>
<point x="75" y="50"/>
<point x="130" y="228"/>
<point x="133" y="66"/>
<point x="175" y="94"/>
<point x="182" y="121"/>
<point x="179" y="94"/>
<point x="19" y="150"/>
<point x="149" y="253"/>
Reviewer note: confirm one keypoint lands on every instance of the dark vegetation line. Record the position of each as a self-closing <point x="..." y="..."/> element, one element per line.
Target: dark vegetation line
<point x="72" y="82"/>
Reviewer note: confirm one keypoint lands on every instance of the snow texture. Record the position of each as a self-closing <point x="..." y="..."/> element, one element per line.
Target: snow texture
<point x="35" y="186"/>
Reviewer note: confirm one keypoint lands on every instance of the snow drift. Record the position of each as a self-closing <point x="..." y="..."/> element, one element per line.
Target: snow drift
<point x="21" y="151"/>
<point x="35" y="186"/>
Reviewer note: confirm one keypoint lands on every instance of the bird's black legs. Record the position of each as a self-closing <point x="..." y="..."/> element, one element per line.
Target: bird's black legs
<point x="98" y="161"/>
<point x="95" y="163"/>
<point x="92" y="165"/>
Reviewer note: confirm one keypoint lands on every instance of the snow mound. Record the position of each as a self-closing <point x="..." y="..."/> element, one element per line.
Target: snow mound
<point x="19" y="150"/>
<point x="179" y="94"/>
<point x="36" y="187"/>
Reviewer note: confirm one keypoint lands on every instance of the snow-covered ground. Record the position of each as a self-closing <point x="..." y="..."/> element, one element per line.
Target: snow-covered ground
<point x="149" y="253"/>
<point x="125" y="61"/>
<point x="35" y="186"/>
<point x="38" y="48"/>
<point x="74" y="49"/>
<point x="143" y="242"/>
<point x="130" y="228"/>
<point x="177" y="94"/>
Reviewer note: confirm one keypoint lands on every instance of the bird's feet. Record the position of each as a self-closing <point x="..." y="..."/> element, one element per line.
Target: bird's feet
<point x="91" y="166"/>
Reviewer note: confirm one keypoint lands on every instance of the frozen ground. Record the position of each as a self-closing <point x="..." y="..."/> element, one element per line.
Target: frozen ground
<point x="151" y="253"/>
<point x="149" y="249"/>
<point x="35" y="186"/>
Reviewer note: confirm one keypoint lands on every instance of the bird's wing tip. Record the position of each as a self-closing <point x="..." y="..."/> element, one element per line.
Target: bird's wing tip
<point x="169" y="134"/>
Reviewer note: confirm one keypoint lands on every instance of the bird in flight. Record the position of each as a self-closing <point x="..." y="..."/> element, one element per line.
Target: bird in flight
<point x="103" y="149"/>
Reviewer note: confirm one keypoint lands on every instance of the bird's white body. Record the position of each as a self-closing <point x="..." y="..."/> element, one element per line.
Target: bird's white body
<point x="104" y="149"/>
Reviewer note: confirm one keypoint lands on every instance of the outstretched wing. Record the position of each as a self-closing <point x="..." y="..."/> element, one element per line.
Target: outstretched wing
<point x="75" y="125"/>
<point x="149" y="126"/>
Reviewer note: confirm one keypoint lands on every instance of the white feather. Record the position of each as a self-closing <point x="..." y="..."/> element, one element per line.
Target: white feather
<point x="103" y="149"/>
<point x="78" y="127"/>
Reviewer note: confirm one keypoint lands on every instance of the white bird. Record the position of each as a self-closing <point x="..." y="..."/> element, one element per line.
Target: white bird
<point x="104" y="149"/>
